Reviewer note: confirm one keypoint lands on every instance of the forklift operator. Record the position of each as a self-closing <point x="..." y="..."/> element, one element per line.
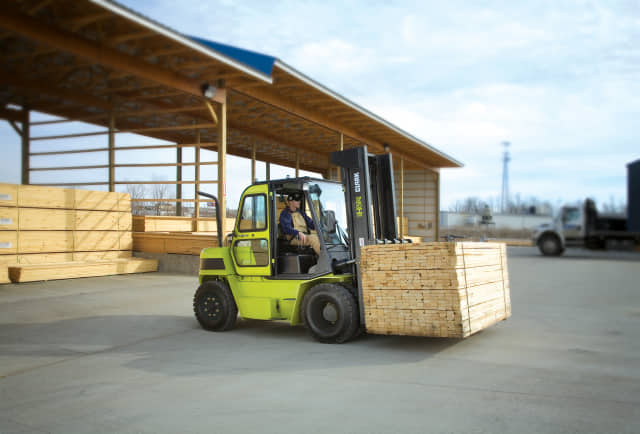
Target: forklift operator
<point x="297" y="225"/>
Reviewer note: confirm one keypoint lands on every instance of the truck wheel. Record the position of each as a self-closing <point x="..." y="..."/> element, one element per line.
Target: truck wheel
<point x="550" y="245"/>
<point x="214" y="306"/>
<point x="330" y="313"/>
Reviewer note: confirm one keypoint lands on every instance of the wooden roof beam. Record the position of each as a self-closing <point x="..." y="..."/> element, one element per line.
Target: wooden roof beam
<point x="38" y="6"/>
<point x="131" y="37"/>
<point x="46" y="89"/>
<point x="299" y="110"/>
<point x="108" y="57"/>
<point x="10" y="114"/>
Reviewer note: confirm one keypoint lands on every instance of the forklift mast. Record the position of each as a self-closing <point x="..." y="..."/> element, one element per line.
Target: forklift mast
<point x="371" y="203"/>
<point x="370" y="195"/>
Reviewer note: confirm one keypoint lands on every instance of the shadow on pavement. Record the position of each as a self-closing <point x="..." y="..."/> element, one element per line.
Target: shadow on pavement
<point x="177" y="346"/>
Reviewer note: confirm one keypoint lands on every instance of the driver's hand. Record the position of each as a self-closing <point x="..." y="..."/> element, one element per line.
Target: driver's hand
<point x="302" y="237"/>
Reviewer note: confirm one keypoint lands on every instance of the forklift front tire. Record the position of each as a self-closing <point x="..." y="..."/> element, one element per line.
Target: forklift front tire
<point x="214" y="306"/>
<point x="330" y="313"/>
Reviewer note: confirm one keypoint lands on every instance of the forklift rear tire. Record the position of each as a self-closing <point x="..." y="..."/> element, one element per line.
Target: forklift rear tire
<point x="214" y="306"/>
<point x="330" y="313"/>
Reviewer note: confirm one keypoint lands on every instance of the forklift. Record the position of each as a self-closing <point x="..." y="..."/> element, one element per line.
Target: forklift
<point x="262" y="275"/>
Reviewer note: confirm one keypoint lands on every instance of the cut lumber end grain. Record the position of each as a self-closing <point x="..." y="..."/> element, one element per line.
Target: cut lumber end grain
<point x="436" y="289"/>
<point x="77" y="269"/>
<point x="8" y="194"/>
<point x="4" y="274"/>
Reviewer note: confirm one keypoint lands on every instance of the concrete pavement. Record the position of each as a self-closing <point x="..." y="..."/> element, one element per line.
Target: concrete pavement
<point x="124" y="354"/>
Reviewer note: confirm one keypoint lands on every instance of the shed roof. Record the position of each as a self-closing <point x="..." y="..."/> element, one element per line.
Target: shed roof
<point x="83" y="59"/>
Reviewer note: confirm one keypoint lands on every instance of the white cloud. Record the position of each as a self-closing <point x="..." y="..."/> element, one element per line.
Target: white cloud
<point x="333" y="56"/>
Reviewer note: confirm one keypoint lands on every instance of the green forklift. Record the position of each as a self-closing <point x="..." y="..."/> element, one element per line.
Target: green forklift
<point x="261" y="274"/>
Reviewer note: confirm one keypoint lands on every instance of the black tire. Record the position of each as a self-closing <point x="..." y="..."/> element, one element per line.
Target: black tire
<point x="550" y="245"/>
<point x="214" y="306"/>
<point x="330" y="313"/>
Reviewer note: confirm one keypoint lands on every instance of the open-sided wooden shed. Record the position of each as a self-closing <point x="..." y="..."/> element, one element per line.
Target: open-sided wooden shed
<point x="99" y="62"/>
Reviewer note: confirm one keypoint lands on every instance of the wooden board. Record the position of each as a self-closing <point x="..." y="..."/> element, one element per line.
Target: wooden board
<point x="8" y="242"/>
<point x="178" y="224"/>
<point x="44" y="258"/>
<point x="186" y="244"/>
<point x="124" y="202"/>
<point x="4" y="274"/>
<point x="434" y="289"/>
<point x="44" y="241"/>
<point x="68" y="241"/>
<point x="125" y="221"/>
<point x="96" y="200"/>
<point x="8" y="259"/>
<point x="8" y="194"/>
<point x="86" y="241"/>
<point x="56" y="258"/>
<point x="30" y="219"/>
<point x="97" y="220"/>
<point x="72" y="270"/>
<point x="101" y="256"/>
<point x="8" y="219"/>
<point x="45" y="197"/>
<point x="36" y="219"/>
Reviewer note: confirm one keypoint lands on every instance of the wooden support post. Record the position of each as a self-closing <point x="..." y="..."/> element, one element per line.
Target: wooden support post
<point x="197" y="184"/>
<point x="179" y="180"/>
<point x="401" y="198"/>
<point x="112" y="152"/>
<point x="222" y="166"/>
<point x="268" y="169"/>
<point x="26" y="146"/>
<point x="437" y="222"/>
<point x="297" y="163"/>
<point x="253" y="162"/>
<point x="340" y="148"/>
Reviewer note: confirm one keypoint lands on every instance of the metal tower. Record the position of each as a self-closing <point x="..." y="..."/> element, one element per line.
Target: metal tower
<point x="504" y="200"/>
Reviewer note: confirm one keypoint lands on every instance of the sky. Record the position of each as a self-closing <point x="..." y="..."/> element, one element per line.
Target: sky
<point x="559" y="80"/>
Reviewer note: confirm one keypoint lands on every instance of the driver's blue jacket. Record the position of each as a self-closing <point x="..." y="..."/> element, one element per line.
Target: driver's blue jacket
<point x="286" y="222"/>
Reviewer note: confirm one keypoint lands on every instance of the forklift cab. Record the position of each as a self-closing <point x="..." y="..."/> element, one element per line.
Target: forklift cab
<point x="259" y="247"/>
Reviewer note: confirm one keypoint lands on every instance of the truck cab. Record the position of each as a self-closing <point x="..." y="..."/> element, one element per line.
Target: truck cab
<point x="581" y="226"/>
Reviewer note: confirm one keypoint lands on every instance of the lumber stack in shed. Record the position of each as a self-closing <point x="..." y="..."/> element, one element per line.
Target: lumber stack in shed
<point x="73" y="270"/>
<point x="178" y="243"/>
<point x="4" y="273"/>
<point x="48" y="225"/>
<point x="434" y="289"/>
<point x="168" y="234"/>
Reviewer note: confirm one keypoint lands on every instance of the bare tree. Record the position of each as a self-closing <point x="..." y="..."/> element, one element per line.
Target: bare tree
<point x="159" y="193"/>
<point x="136" y="191"/>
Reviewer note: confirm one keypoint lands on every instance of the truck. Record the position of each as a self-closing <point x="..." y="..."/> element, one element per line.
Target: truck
<point x="260" y="274"/>
<point x="583" y="226"/>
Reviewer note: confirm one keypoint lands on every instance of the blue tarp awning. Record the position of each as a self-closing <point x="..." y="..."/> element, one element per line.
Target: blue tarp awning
<point x="258" y="61"/>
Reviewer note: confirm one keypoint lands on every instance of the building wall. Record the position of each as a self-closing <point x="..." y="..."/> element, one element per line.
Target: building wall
<point x="420" y="202"/>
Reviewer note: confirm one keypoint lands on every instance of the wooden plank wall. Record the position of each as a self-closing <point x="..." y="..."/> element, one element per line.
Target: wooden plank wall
<point x="53" y="225"/>
<point x="420" y="202"/>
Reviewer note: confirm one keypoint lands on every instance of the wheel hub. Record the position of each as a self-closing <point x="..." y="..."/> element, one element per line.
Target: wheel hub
<point x="211" y="307"/>
<point x="330" y="313"/>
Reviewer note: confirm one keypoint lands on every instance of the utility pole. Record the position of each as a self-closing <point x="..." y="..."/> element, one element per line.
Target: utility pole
<point x="504" y="200"/>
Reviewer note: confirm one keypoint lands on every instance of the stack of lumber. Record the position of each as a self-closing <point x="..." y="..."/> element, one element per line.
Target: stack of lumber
<point x="144" y="223"/>
<point x="452" y="289"/>
<point x="4" y="273"/>
<point x="72" y="270"/>
<point x="42" y="228"/>
<point x="179" y="243"/>
<point x="167" y="234"/>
